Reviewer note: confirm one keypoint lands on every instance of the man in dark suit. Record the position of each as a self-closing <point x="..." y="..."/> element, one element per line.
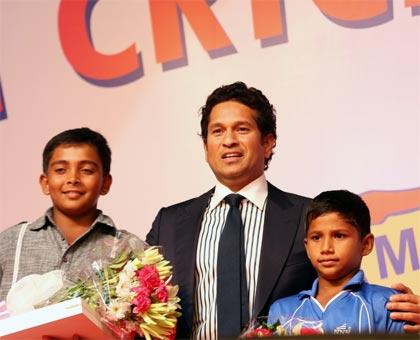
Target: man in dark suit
<point x="238" y="128"/>
<point x="239" y="134"/>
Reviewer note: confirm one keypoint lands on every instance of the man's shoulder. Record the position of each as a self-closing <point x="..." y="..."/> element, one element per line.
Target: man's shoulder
<point x="292" y="197"/>
<point x="180" y="205"/>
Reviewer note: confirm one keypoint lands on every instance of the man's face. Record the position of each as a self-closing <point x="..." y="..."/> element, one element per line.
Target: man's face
<point x="335" y="248"/>
<point x="235" y="149"/>
<point x="75" y="180"/>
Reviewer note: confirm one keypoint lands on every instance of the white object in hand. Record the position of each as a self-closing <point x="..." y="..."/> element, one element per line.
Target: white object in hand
<point x="33" y="289"/>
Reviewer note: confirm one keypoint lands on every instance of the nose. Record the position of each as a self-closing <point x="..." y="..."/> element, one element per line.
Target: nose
<point x="229" y="138"/>
<point x="327" y="245"/>
<point x="73" y="177"/>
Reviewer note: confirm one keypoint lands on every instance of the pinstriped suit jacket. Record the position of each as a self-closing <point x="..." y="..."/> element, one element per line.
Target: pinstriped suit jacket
<point x="284" y="266"/>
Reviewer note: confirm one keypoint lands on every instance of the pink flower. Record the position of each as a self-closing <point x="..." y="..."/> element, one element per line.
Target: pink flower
<point x="141" y="290"/>
<point x="131" y="326"/>
<point x="148" y="277"/>
<point x="119" y="329"/>
<point x="259" y="333"/>
<point x="172" y="336"/>
<point x="142" y="303"/>
<point x="161" y="293"/>
<point x="309" y="331"/>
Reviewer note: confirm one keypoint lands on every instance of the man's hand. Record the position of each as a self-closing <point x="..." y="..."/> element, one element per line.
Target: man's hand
<point x="405" y="307"/>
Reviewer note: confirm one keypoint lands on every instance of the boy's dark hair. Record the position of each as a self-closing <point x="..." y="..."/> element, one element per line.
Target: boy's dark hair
<point x="348" y="205"/>
<point x="82" y="135"/>
<point x="249" y="96"/>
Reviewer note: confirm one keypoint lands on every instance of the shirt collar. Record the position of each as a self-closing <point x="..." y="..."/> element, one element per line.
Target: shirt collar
<point x="47" y="219"/>
<point x="355" y="281"/>
<point x="255" y="192"/>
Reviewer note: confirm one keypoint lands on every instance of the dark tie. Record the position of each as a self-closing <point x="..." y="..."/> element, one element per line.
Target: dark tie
<point x="232" y="290"/>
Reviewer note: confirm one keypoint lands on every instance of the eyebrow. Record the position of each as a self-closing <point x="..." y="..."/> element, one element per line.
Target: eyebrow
<point x="241" y="122"/>
<point x="86" y="161"/>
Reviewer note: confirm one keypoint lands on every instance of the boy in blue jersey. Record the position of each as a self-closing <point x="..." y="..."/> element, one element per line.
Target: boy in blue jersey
<point x="340" y="301"/>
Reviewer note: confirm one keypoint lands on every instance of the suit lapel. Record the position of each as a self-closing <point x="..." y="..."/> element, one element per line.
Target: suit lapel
<point x="281" y="221"/>
<point x="188" y="224"/>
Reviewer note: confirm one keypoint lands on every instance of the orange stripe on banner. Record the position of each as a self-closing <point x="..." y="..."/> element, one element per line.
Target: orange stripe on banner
<point x="383" y="204"/>
<point x="412" y="3"/>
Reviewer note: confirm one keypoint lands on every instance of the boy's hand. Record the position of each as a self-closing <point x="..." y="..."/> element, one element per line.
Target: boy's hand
<point x="405" y="307"/>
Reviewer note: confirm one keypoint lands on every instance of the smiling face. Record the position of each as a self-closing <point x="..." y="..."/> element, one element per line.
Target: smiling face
<point x="75" y="180"/>
<point x="335" y="247"/>
<point x="235" y="149"/>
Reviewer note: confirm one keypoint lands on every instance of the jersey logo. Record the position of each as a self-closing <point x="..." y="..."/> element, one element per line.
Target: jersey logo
<point x="343" y="329"/>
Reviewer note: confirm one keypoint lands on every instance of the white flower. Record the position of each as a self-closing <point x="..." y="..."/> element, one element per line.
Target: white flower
<point x="124" y="289"/>
<point x="130" y="268"/>
<point x="127" y="281"/>
<point x="118" y="309"/>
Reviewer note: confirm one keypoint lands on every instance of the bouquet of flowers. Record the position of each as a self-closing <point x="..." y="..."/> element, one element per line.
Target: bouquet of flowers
<point x="299" y="326"/>
<point x="260" y="328"/>
<point x="130" y="289"/>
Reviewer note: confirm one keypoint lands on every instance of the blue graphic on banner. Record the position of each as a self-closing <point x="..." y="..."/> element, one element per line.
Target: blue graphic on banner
<point x="3" y="113"/>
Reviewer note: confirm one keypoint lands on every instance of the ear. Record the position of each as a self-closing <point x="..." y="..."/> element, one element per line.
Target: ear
<point x="106" y="184"/>
<point x="367" y="244"/>
<point x="205" y="150"/>
<point x="43" y="182"/>
<point x="269" y="143"/>
<point x="305" y="242"/>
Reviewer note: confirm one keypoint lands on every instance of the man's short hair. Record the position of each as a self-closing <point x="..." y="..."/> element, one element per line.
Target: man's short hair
<point x="79" y="136"/>
<point x="348" y="205"/>
<point x="249" y="96"/>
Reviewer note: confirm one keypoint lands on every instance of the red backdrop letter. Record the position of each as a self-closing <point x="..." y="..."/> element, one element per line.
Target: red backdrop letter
<point x="167" y="32"/>
<point x="356" y="13"/>
<point x="267" y="16"/>
<point x="96" y="67"/>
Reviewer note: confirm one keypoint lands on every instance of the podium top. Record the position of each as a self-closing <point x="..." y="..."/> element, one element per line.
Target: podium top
<point x="64" y="320"/>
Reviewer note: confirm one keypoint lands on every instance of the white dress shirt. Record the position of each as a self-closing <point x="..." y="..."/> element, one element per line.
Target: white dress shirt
<point x="252" y="211"/>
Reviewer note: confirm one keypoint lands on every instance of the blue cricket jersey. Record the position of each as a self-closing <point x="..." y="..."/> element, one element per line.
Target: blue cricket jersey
<point x="359" y="308"/>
